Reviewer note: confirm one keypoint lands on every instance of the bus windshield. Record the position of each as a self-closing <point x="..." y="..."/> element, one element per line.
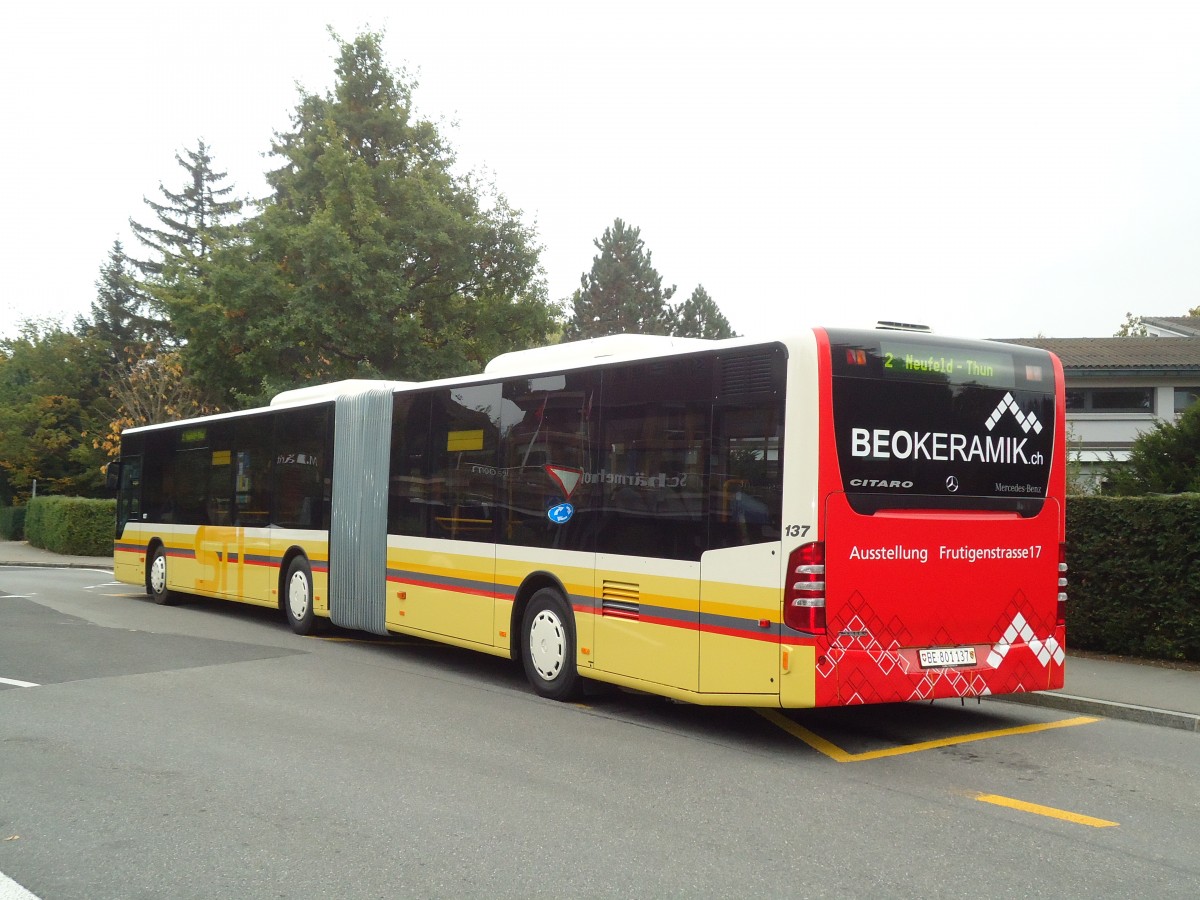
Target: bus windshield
<point x="924" y="422"/>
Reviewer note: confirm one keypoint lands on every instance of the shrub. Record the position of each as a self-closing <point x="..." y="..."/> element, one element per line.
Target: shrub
<point x="1134" y="575"/>
<point x="71" y="525"/>
<point x="12" y="523"/>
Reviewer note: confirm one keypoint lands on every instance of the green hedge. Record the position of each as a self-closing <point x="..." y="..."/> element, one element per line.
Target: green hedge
<point x="12" y="523"/>
<point x="71" y="525"/>
<point x="1134" y="579"/>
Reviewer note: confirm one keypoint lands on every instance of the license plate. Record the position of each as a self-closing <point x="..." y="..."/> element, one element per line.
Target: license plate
<point x="946" y="657"/>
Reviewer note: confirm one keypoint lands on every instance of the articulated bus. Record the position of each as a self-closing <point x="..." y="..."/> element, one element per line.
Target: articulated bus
<point x="841" y="517"/>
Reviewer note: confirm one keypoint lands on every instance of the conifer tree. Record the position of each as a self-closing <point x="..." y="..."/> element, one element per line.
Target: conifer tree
<point x="700" y="317"/>
<point x="189" y="225"/>
<point x="192" y="221"/>
<point x="623" y="292"/>
<point x="120" y="318"/>
<point x="1164" y="460"/>
<point x="371" y="257"/>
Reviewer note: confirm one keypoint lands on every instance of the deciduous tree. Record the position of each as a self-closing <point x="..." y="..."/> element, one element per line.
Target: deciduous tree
<point x="149" y="387"/>
<point x="50" y="381"/>
<point x="1133" y="326"/>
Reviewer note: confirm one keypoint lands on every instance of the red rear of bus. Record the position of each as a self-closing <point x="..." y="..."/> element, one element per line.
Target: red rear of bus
<point x="942" y="492"/>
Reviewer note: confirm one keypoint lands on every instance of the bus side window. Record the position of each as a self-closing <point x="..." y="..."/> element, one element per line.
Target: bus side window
<point x="129" y="498"/>
<point x="252" y="472"/>
<point x="546" y="450"/>
<point x="409" y="488"/>
<point x="654" y="453"/>
<point x="747" y="475"/>
<point x="301" y="467"/>
<point x="465" y="431"/>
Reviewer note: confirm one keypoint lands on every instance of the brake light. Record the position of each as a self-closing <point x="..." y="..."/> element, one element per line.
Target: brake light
<point x="1062" y="584"/>
<point x="804" y="596"/>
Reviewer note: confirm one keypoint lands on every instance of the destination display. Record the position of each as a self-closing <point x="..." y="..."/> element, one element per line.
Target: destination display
<point x="957" y="365"/>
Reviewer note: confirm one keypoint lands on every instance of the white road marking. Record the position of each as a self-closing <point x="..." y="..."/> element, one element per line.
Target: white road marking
<point x="15" y="683"/>
<point x="10" y="890"/>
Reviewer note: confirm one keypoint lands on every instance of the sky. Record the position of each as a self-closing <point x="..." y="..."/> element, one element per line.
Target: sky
<point x="987" y="169"/>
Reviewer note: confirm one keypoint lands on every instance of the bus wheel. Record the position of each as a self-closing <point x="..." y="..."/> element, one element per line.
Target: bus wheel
<point x="298" y="597"/>
<point x="156" y="579"/>
<point x="548" y="648"/>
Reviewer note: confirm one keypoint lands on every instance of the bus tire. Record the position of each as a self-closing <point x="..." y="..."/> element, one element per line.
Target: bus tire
<point x="548" y="646"/>
<point x="298" y="597"/>
<point x="156" y="579"/>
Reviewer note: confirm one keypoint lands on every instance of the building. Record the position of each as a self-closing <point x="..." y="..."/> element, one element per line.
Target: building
<point x="1119" y="387"/>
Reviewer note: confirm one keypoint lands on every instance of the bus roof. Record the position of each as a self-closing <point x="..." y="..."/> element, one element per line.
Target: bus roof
<point x="612" y="348"/>
<point x="350" y="386"/>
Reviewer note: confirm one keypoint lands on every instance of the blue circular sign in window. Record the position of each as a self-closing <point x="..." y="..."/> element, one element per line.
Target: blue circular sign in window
<point x="560" y="514"/>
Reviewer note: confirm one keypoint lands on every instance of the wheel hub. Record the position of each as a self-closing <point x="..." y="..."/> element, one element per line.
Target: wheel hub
<point x="547" y="644"/>
<point x="298" y="595"/>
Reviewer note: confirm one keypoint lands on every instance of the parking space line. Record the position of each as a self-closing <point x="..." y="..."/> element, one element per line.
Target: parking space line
<point x="14" y="683"/>
<point x="10" y="890"/>
<point x="837" y="754"/>
<point x="1038" y="810"/>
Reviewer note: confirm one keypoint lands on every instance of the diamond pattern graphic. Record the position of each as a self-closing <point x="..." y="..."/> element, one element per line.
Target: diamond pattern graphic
<point x="1027" y="421"/>
<point x="859" y="667"/>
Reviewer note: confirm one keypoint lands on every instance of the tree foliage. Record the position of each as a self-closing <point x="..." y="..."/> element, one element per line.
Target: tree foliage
<point x="623" y="292"/>
<point x="50" y="385"/>
<point x="1133" y="326"/>
<point x="190" y="224"/>
<point x="700" y="317"/>
<point x="1163" y="461"/>
<point x="149" y="387"/>
<point x="371" y="258"/>
<point x="120" y="315"/>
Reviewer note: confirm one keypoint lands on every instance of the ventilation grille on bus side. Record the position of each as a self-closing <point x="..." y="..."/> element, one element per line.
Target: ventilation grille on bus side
<point x="619" y="599"/>
<point x="747" y="374"/>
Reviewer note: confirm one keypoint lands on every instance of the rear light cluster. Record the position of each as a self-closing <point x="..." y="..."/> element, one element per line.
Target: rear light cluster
<point x="804" y="597"/>
<point x="1062" y="584"/>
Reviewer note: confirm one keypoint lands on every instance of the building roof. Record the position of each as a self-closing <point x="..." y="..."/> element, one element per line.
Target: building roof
<point x="1121" y="355"/>
<point x="1186" y="326"/>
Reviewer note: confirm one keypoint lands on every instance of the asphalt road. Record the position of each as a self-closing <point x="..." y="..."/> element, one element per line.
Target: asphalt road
<point x="205" y="751"/>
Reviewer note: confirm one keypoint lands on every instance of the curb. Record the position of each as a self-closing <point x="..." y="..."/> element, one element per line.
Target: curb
<point x="1147" y="715"/>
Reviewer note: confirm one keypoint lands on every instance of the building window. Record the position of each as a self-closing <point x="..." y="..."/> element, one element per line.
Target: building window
<point x="1111" y="400"/>
<point x="1185" y="397"/>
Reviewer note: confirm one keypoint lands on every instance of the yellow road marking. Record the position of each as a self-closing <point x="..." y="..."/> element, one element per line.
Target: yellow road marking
<point x="1038" y="810"/>
<point x="837" y="754"/>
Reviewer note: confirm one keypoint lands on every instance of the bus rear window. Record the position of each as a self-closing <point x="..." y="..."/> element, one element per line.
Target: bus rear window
<point x="943" y="424"/>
